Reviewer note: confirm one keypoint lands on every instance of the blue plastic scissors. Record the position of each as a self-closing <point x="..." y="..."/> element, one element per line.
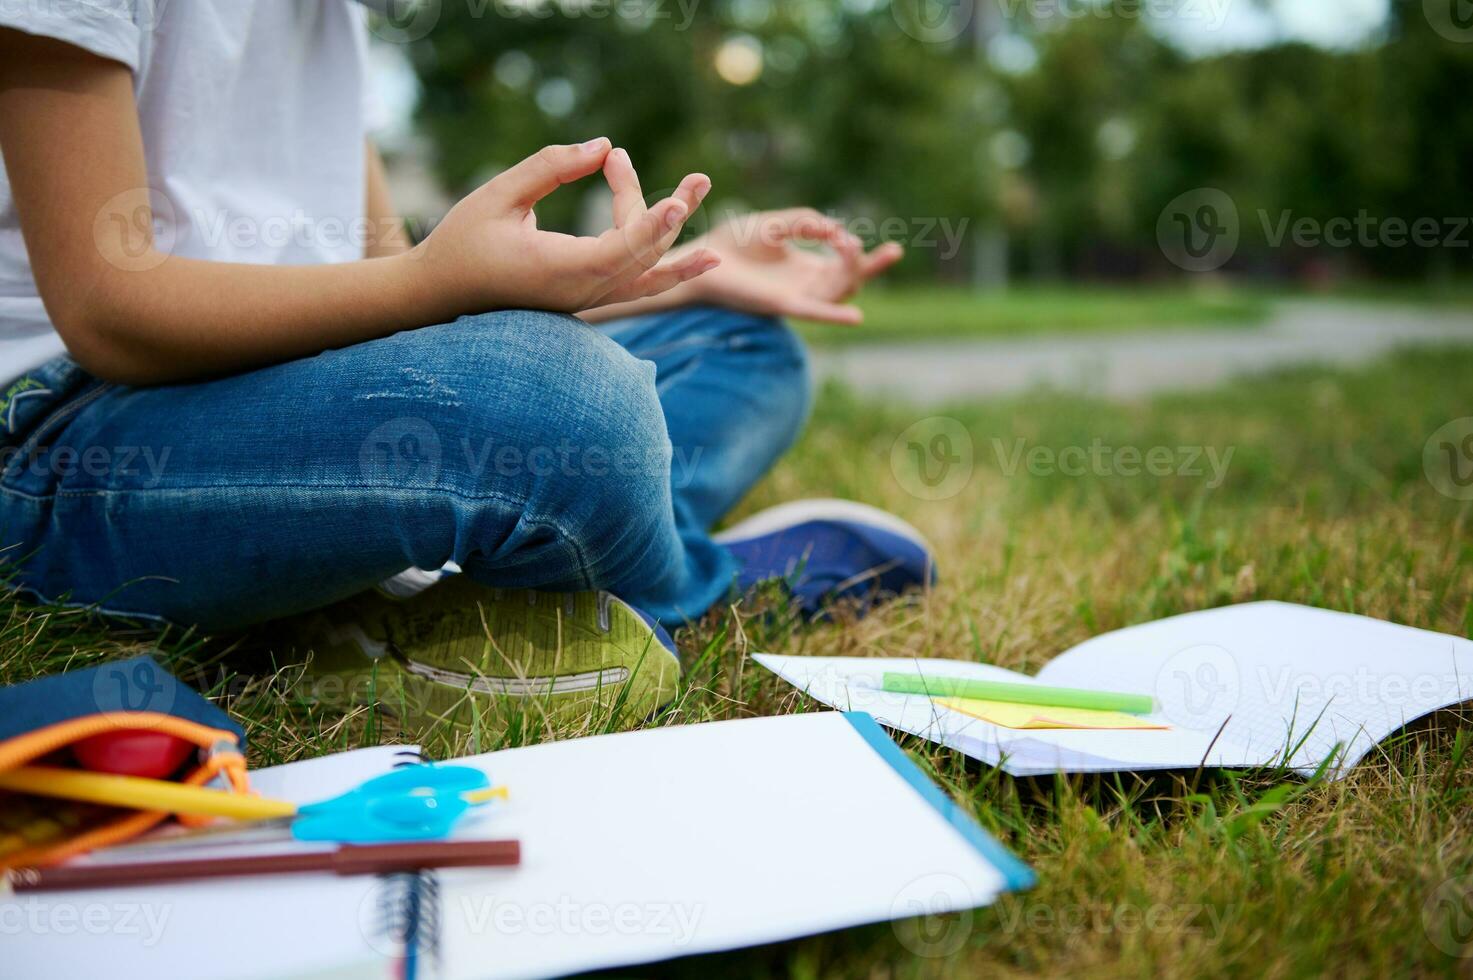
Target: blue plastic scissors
<point x="417" y="802"/>
<point x="420" y="802"/>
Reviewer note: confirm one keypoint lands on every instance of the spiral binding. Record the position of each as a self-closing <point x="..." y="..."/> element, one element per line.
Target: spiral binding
<point x="409" y="905"/>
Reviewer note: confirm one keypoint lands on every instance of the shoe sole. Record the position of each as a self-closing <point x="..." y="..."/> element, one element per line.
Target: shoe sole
<point x="832" y="510"/>
<point x="800" y="512"/>
<point x="451" y="653"/>
<point x="797" y="512"/>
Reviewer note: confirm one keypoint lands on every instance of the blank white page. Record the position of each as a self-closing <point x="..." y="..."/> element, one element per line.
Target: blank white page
<point x="672" y="841"/>
<point x="1263" y="670"/>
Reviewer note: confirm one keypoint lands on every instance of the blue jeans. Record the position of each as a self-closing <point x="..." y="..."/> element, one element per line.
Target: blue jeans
<point x="529" y="448"/>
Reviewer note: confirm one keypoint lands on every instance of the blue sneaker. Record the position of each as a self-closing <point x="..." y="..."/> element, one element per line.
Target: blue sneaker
<point x="828" y="550"/>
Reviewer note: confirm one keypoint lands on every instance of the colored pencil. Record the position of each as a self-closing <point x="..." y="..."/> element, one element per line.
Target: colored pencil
<point x="349" y="859"/>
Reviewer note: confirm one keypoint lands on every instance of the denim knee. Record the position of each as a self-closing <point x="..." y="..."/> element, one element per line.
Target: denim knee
<point x="783" y="360"/>
<point x="580" y="439"/>
<point x="583" y="394"/>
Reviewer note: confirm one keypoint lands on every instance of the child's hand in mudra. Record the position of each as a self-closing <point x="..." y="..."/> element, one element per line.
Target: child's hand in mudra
<point x="762" y="272"/>
<point x="488" y="252"/>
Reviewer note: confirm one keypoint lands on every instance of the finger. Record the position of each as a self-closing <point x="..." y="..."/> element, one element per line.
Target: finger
<point x="880" y="259"/>
<point x="804" y="224"/>
<point x="807" y="308"/>
<point x="638" y="245"/>
<point x="666" y="276"/>
<point x="624" y="182"/>
<point x="692" y="191"/>
<point x="850" y="250"/>
<point x="549" y="168"/>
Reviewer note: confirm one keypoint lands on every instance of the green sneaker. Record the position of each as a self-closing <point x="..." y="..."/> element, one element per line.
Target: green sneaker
<point x="459" y="648"/>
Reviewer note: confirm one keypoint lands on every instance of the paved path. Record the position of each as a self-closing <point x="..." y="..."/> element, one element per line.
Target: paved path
<point x="1128" y="365"/>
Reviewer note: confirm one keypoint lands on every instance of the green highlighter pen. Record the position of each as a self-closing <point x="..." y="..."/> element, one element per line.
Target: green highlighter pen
<point x="1052" y="697"/>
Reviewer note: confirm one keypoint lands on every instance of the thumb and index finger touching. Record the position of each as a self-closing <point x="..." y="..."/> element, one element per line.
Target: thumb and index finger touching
<point x="640" y="234"/>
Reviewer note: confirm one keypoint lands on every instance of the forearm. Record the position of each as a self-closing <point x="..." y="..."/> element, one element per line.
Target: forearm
<point x="131" y="311"/>
<point x="187" y="318"/>
<point x="389" y="235"/>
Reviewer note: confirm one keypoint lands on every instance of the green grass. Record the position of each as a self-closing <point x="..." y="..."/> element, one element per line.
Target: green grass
<point x="1452" y="294"/>
<point x="947" y="313"/>
<point x="939" y="313"/>
<point x="1324" y="502"/>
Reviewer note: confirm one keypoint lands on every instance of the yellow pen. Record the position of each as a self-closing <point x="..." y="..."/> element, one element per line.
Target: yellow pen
<point x="139" y="793"/>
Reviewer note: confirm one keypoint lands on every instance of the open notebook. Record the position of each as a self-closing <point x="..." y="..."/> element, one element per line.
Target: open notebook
<point x="636" y="847"/>
<point x="1250" y="685"/>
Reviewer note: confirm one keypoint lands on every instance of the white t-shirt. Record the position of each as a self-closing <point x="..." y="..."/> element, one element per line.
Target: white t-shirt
<point x="253" y="127"/>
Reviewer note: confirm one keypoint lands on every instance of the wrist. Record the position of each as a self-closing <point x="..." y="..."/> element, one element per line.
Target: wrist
<point x="414" y="278"/>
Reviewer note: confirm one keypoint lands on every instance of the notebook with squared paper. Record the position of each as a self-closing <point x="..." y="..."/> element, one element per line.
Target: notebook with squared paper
<point x="1262" y="684"/>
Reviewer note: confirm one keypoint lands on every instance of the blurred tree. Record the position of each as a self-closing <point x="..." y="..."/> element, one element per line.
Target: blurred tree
<point x="1068" y="128"/>
<point x="800" y="102"/>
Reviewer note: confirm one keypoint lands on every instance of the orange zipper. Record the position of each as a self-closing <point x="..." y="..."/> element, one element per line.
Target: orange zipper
<point x="224" y="759"/>
<point x="21" y="749"/>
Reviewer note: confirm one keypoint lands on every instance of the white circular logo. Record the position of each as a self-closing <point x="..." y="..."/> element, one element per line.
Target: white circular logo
<point x="397" y="909"/>
<point x="136" y="230"/>
<point x="1198" y="231"/>
<point x="403" y="21"/>
<point x="696" y="223"/>
<point x="933" y="459"/>
<point x="1447" y="459"/>
<point x="1197" y="688"/>
<point x="402" y="451"/>
<point x="1453" y="19"/>
<point x="1447" y="916"/>
<point x="136" y="685"/>
<point x="933" y="21"/>
<point x="933" y="915"/>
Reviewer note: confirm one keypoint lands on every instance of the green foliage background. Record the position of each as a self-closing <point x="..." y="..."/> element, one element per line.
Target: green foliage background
<point x="855" y="115"/>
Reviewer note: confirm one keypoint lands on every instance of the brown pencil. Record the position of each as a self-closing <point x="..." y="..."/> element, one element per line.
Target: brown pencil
<point x="349" y="859"/>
